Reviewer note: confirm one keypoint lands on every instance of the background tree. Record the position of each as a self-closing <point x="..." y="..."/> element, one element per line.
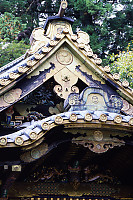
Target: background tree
<point x="12" y="51"/>
<point x="10" y="26"/>
<point x="122" y="63"/>
<point x="109" y="23"/>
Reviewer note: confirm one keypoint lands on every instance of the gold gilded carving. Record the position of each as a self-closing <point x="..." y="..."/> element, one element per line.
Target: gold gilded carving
<point x="118" y="119"/>
<point x="45" y="49"/>
<point x="98" y="61"/>
<point x="88" y="117"/>
<point x="4" y="82"/>
<point x="45" y="126"/>
<point x="38" y="56"/>
<point x="83" y="37"/>
<point x="13" y="75"/>
<point x="58" y="36"/>
<point x="65" y="30"/>
<point x="98" y="135"/>
<point x="10" y="97"/>
<point x="74" y="37"/>
<point x="38" y="34"/>
<point x="33" y="135"/>
<point x="66" y="79"/>
<point x="30" y="63"/>
<point x="107" y="69"/>
<point x="127" y="108"/>
<point x="131" y="121"/>
<point x="116" y="76"/>
<point x="99" y="146"/>
<point x="81" y="45"/>
<point x="73" y="117"/>
<point x="58" y="120"/>
<point x="3" y="141"/>
<point x="103" y="118"/>
<point x="22" y="69"/>
<point x="125" y="83"/>
<point x="64" y="57"/>
<point x="19" y="140"/>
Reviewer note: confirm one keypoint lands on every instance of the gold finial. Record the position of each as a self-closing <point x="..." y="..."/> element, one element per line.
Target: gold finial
<point x="62" y="9"/>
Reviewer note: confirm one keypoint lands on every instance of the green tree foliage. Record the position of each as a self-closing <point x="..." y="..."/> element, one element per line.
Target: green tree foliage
<point x="110" y="28"/>
<point x="122" y="63"/>
<point x="12" y="51"/>
<point x="10" y="26"/>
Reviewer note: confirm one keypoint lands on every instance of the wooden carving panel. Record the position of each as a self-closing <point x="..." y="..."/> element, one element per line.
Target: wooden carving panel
<point x="67" y="80"/>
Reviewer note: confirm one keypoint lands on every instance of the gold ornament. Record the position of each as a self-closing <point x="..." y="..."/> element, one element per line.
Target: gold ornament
<point x="131" y="121"/>
<point x="98" y="135"/>
<point x="103" y="118"/>
<point x="73" y="117"/>
<point x="58" y="120"/>
<point x="116" y="76"/>
<point x="64" y="57"/>
<point x="88" y="117"/>
<point x="118" y="119"/>
<point x="33" y="135"/>
<point x="19" y="140"/>
<point x="125" y="83"/>
<point x="107" y="69"/>
<point x="3" y="141"/>
<point x="45" y="126"/>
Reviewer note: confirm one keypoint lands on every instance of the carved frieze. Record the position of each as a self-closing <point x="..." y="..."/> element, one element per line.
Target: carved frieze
<point x="94" y="99"/>
<point x="99" y="144"/>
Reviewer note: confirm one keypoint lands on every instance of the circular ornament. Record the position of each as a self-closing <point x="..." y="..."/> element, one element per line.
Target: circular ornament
<point x="125" y="83"/>
<point x="98" y="61"/>
<point x="131" y="121"/>
<point x="107" y="69"/>
<point x="45" y="49"/>
<point x="88" y="117"/>
<point x="64" y="57"/>
<point x="3" y="141"/>
<point x="45" y="126"/>
<point x="118" y="119"/>
<point x="35" y="154"/>
<point x="9" y="97"/>
<point x="98" y="135"/>
<point x="73" y="117"/>
<point x="58" y="120"/>
<point x="33" y="135"/>
<point x="103" y="118"/>
<point x="19" y="140"/>
<point x="90" y="53"/>
<point x="116" y="76"/>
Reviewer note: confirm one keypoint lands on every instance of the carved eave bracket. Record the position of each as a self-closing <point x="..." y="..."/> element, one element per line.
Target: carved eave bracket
<point x="99" y="146"/>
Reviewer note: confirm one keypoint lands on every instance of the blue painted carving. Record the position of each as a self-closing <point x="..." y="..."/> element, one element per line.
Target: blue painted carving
<point x="93" y="99"/>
